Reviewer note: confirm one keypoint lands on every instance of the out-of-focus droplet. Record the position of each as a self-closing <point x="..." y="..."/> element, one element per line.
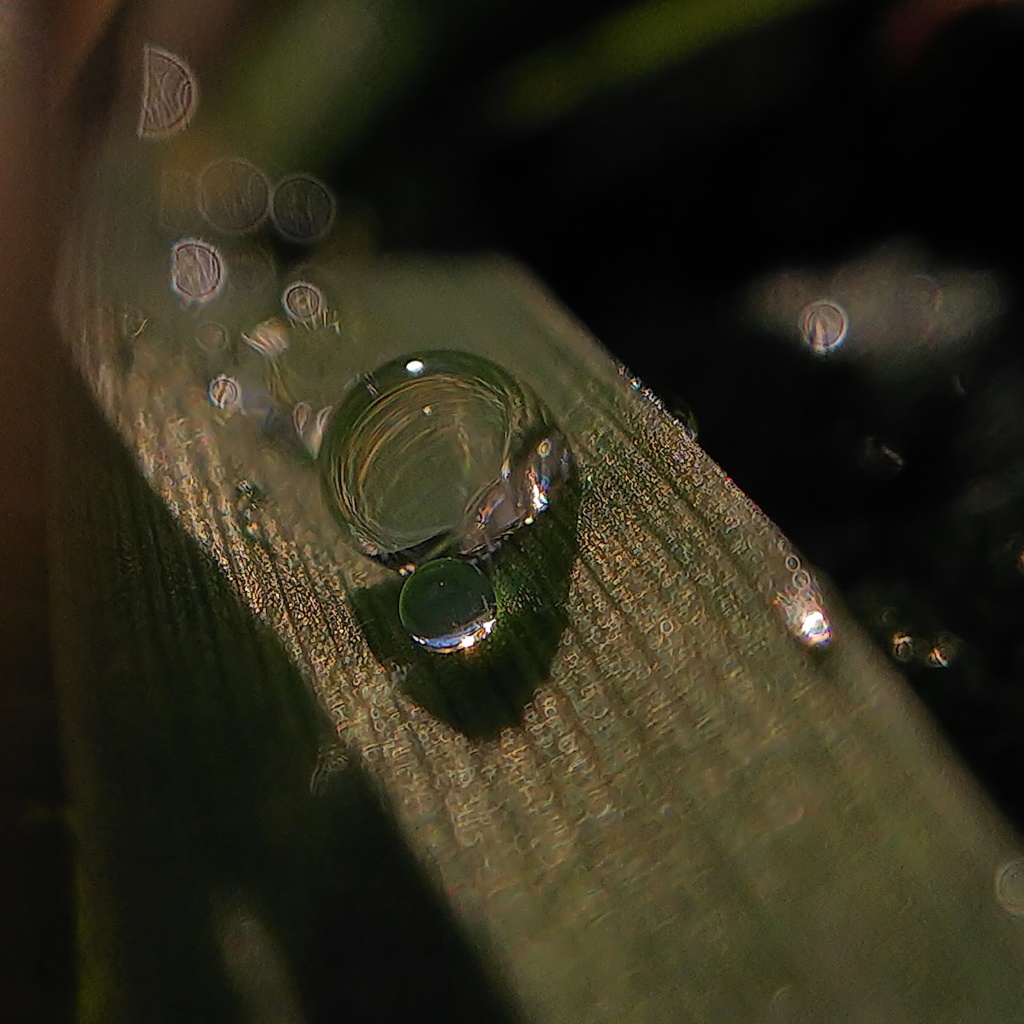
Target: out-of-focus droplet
<point x="213" y="338"/>
<point x="439" y="453"/>
<point x="249" y="498"/>
<point x="269" y="338"/>
<point x="302" y="209"/>
<point x="315" y="434"/>
<point x="447" y="605"/>
<point x="801" y="605"/>
<point x="234" y="195"/>
<point x="902" y="646"/>
<point x="303" y="301"/>
<point x="1010" y="887"/>
<point x="880" y="460"/>
<point x="258" y="970"/>
<point x="224" y="392"/>
<point x="823" y="326"/>
<point x="170" y="93"/>
<point x="943" y="652"/>
<point x="301" y="415"/>
<point x="197" y="271"/>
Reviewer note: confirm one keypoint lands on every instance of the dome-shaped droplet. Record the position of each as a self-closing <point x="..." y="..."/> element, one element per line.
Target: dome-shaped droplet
<point x="439" y="453"/>
<point x="824" y="326"/>
<point x="447" y="605"/>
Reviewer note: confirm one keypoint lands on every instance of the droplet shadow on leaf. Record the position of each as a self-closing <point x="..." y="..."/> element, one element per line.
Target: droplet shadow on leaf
<point x="484" y="689"/>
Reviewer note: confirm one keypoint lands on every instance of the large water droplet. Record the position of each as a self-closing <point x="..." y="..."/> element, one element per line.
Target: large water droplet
<point x="440" y="453"/>
<point x="447" y="605"/>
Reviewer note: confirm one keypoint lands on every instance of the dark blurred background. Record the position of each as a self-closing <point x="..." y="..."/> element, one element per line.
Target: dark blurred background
<point x="650" y="162"/>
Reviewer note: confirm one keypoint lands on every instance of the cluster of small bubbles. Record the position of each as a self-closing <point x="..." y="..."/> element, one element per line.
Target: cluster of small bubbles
<point x="303" y="302"/>
<point x="800" y="604"/>
<point x="170" y="94"/>
<point x="224" y="392"/>
<point x="447" y="605"/>
<point x="197" y="271"/>
<point x="1009" y="885"/>
<point x="302" y="209"/>
<point x="823" y="325"/>
<point x="268" y="338"/>
<point x="234" y="195"/>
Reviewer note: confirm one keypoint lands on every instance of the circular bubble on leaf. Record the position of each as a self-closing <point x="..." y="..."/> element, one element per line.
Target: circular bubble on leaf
<point x="302" y="209"/>
<point x="170" y="94"/>
<point x="303" y="301"/>
<point x="197" y="271"/>
<point x="447" y="605"/>
<point x="234" y="195"/>
<point x="823" y="326"/>
<point x="439" y="453"/>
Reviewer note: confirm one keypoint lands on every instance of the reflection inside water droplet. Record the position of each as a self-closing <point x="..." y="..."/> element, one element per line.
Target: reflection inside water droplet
<point x="447" y="605"/>
<point x="441" y="453"/>
<point x="823" y="325"/>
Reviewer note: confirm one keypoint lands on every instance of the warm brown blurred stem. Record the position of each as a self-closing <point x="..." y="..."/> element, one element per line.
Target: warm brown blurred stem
<point x="34" y="874"/>
<point x="75" y="31"/>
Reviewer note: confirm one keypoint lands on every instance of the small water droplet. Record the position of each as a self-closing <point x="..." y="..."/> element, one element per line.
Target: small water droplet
<point x="269" y="338"/>
<point x="1010" y="887"/>
<point x="302" y="209"/>
<point x="224" y="392"/>
<point x="943" y="652"/>
<point x="170" y="93"/>
<point x="197" y="271"/>
<point x="805" y="617"/>
<point x="902" y="646"/>
<point x="234" y="195"/>
<point x="447" y="605"/>
<point x="213" y="338"/>
<point x="303" y="301"/>
<point x="409" y="489"/>
<point x="823" y="326"/>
